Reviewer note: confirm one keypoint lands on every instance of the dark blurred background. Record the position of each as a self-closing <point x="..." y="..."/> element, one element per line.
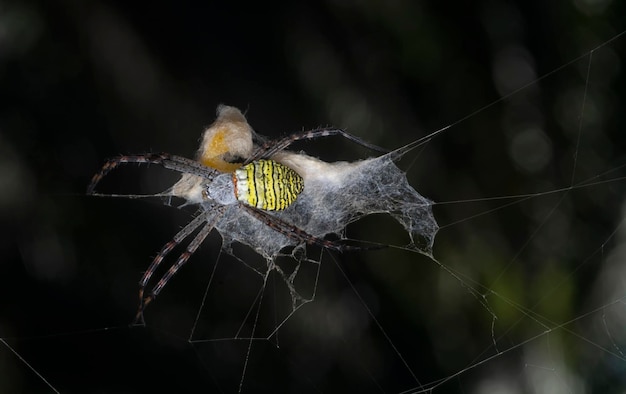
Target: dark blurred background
<point x="83" y="81"/>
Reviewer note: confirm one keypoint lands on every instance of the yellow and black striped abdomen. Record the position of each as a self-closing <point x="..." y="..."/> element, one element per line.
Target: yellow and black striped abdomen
<point x="268" y="185"/>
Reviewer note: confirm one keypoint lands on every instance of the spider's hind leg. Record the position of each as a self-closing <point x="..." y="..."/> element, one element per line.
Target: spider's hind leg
<point x="270" y="148"/>
<point x="299" y="235"/>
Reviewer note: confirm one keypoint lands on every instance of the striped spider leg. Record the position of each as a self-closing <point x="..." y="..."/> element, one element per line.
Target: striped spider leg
<point x="171" y="162"/>
<point x="207" y="219"/>
<point x="296" y="233"/>
<point x="182" y="165"/>
<point x="270" y="148"/>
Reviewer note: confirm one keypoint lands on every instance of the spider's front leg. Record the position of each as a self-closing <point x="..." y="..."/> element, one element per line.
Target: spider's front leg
<point x="171" y="162"/>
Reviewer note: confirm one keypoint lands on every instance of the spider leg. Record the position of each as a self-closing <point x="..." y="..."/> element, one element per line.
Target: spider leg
<point x="167" y="248"/>
<point x="171" y="162"/>
<point x="293" y="232"/>
<point x="182" y="259"/>
<point x="178" y="238"/>
<point x="270" y="148"/>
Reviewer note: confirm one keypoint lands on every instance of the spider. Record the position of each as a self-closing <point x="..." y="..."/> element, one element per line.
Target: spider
<point x="259" y="185"/>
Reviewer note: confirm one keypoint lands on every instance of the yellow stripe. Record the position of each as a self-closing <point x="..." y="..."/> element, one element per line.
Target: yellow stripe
<point x="252" y="191"/>
<point x="281" y="184"/>
<point x="268" y="181"/>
